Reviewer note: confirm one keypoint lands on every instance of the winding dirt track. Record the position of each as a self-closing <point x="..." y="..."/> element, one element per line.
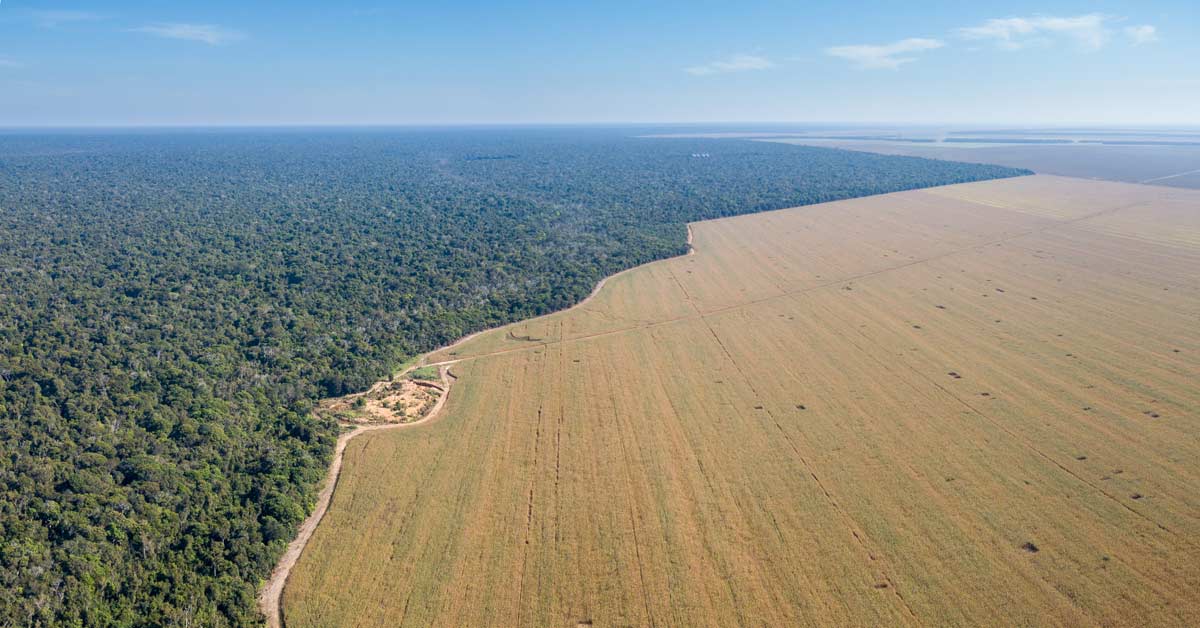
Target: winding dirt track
<point x="270" y="598"/>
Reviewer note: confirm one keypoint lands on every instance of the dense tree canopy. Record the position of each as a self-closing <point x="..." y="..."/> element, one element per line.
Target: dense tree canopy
<point x="171" y="305"/>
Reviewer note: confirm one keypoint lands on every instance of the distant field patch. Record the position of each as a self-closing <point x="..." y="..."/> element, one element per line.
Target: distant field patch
<point x="1158" y="163"/>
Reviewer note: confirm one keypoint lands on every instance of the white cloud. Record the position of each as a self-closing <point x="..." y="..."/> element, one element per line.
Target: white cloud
<point x="9" y="63"/>
<point x="735" y="63"/>
<point x="1143" y="34"/>
<point x="203" y="33"/>
<point x="887" y="56"/>
<point x="1089" y="31"/>
<point x="50" y="19"/>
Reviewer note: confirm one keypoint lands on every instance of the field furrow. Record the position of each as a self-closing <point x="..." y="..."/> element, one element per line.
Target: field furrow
<point x="971" y="405"/>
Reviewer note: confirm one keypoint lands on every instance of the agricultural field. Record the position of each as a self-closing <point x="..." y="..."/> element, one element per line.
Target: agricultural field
<point x="1171" y="164"/>
<point x="967" y="405"/>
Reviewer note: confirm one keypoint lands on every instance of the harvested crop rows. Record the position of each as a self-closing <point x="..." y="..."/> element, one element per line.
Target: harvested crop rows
<point x="966" y="405"/>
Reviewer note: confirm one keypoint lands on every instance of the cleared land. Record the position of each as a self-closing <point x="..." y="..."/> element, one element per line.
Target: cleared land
<point x="967" y="405"/>
<point x="1169" y="165"/>
<point x="270" y="594"/>
<point x="398" y="400"/>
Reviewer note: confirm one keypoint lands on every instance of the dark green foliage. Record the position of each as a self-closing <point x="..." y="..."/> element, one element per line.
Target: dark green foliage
<point x="172" y="304"/>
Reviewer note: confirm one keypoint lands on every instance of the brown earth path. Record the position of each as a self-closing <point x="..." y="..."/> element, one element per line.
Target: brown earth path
<point x="270" y="598"/>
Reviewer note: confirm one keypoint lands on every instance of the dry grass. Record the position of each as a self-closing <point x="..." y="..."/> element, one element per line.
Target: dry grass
<point x="768" y="433"/>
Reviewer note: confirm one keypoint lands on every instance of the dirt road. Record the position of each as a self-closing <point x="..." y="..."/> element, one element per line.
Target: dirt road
<point x="271" y="597"/>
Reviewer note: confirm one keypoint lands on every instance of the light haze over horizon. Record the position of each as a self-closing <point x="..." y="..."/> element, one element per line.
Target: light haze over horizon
<point x="224" y="63"/>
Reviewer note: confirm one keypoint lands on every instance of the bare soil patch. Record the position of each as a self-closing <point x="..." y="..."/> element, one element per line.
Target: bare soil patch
<point x="399" y="400"/>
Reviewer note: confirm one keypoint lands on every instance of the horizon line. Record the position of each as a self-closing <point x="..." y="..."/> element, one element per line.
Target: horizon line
<point x="450" y="125"/>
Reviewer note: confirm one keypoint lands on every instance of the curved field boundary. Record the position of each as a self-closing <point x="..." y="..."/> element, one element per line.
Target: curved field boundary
<point x="270" y="599"/>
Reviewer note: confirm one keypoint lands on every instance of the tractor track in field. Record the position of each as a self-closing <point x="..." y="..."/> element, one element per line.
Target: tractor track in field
<point x="697" y="315"/>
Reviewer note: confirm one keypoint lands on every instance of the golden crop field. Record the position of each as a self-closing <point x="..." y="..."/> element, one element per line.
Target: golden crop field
<point x="970" y="405"/>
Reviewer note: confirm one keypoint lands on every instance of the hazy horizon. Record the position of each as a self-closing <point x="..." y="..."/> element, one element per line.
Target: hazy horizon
<point x="724" y="125"/>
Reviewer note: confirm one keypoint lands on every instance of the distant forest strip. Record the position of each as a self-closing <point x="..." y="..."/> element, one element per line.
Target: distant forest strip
<point x="173" y="303"/>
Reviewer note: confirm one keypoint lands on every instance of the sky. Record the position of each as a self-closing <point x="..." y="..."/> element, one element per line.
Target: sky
<point x="267" y="62"/>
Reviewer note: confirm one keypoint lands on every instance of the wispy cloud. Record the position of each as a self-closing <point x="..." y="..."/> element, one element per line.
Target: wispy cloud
<point x="1142" y="34"/>
<point x="52" y="18"/>
<point x="1089" y="31"/>
<point x="735" y="63"/>
<point x="9" y="63"/>
<point x="203" y="33"/>
<point x="887" y="56"/>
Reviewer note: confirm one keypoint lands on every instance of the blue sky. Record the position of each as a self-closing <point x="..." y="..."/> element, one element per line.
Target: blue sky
<point x="125" y="62"/>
